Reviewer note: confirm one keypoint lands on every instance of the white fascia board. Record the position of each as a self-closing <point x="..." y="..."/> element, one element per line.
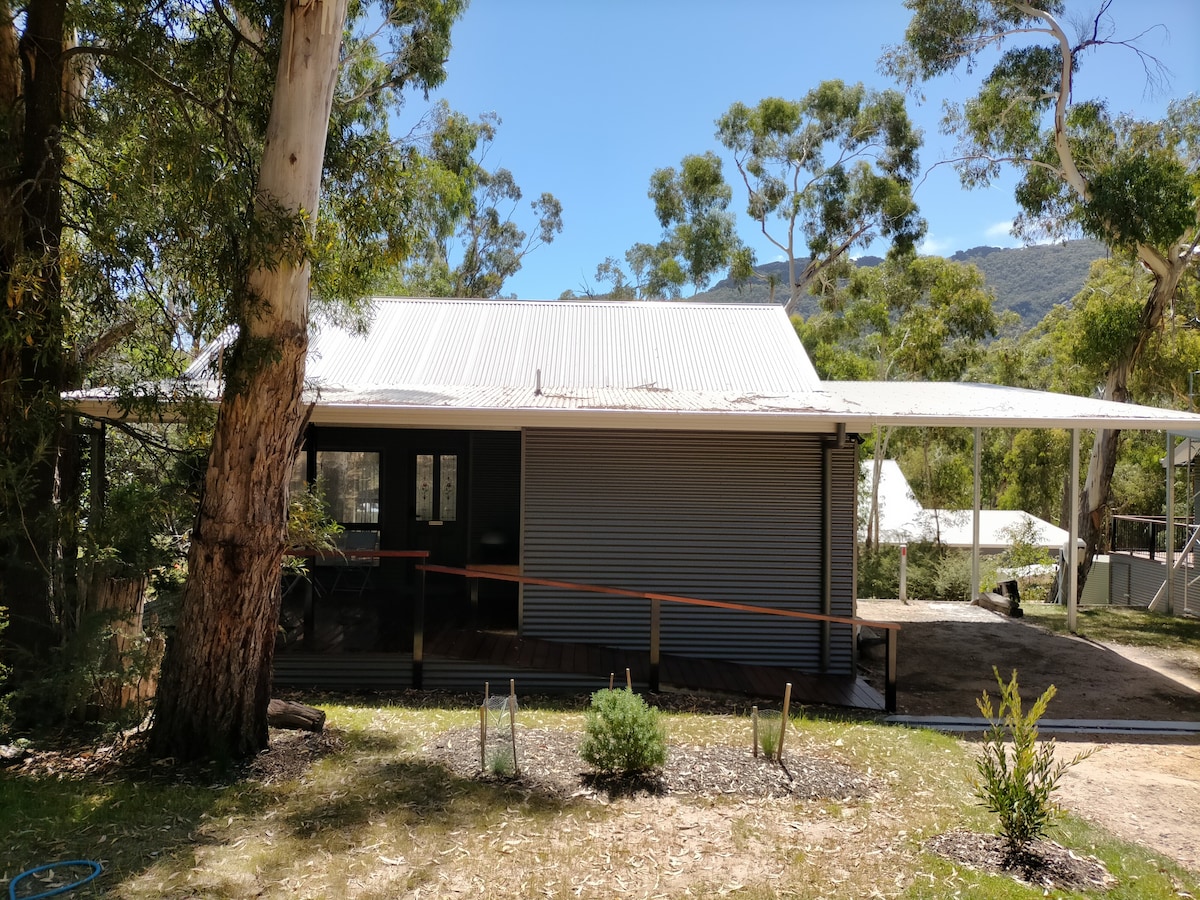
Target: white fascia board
<point x="365" y="415"/>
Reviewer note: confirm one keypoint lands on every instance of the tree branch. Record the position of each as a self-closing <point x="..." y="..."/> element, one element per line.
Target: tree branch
<point x="1070" y="172"/>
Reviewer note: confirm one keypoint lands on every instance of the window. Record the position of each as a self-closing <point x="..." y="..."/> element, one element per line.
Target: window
<point x="436" y="487"/>
<point x="298" y="481"/>
<point x="351" y="482"/>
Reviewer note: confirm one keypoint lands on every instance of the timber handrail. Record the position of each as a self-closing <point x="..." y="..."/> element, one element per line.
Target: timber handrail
<point x="361" y="554"/>
<point x="891" y="628"/>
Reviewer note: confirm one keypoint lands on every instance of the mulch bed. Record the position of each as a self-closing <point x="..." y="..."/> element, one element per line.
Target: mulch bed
<point x="291" y="754"/>
<point x="1043" y="863"/>
<point x="549" y="763"/>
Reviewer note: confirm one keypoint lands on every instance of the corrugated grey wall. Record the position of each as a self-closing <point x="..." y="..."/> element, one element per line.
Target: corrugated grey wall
<point x="393" y="672"/>
<point x="1133" y="581"/>
<point x="717" y="516"/>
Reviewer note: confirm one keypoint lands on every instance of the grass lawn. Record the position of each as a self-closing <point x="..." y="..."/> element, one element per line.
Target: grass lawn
<point x="1121" y="625"/>
<point x="378" y="819"/>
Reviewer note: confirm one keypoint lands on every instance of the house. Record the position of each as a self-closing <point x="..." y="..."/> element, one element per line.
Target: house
<point x="586" y="463"/>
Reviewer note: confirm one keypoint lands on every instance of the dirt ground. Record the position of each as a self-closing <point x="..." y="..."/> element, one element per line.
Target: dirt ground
<point x="1145" y="789"/>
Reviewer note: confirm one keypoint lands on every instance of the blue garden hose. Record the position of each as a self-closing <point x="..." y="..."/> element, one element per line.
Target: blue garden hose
<point x="94" y="866"/>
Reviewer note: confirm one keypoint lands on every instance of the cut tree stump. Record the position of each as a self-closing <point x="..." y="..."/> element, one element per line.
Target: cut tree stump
<point x="297" y="716"/>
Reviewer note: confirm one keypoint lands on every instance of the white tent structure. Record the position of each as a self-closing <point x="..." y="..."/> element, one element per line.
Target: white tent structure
<point x="902" y="519"/>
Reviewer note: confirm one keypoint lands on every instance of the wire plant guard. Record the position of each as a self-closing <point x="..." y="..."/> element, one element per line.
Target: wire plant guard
<point x="498" y="732"/>
<point x="768" y="727"/>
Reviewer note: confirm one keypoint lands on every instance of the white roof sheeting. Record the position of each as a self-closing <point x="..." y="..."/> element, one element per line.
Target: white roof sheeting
<point x="648" y="365"/>
<point x="962" y="404"/>
<point x="680" y="347"/>
<point x="902" y="519"/>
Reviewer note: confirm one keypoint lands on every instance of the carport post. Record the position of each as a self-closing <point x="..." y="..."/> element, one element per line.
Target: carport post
<point x="655" y="639"/>
<point x="977" y="502"/>
<point x="418" y="653"/>
<point x="1072" y="560"/>
<point x="889" y="684"/>
<point x="1169" y="555"/>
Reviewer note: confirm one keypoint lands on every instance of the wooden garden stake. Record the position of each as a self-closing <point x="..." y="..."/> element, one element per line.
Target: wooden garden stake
<point x="754" y="729"/>
<point x="628" y="681"/>
<point x="783" y="720"/>
<point x="483" y="713"/>
<point x="512" y="721"/>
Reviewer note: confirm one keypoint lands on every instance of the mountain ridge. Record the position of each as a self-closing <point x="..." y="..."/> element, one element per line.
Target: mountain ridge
<point x="1030" y="281"/>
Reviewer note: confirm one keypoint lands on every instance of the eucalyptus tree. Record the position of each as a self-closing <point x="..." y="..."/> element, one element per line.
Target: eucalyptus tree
<point x="216" y="679"/>
<point x="699" y="237"/>
<point x="179" y="195"/>
<point x="1127" y="182"/>
<point x="35" y="359"/>
<point x="825" y="174"/>
<point x="473" y="239"/>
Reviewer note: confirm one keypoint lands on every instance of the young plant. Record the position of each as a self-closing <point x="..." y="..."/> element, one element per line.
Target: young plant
<point x="622" y="734"/>
<point x="500" y="763"/>
<point x="1017" y="783"/>
<point x="768" y="733"/>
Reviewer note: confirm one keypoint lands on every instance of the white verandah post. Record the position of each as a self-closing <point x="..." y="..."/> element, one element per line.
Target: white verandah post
<point x="1072" y="560"/>
<point x="976" y="503"/>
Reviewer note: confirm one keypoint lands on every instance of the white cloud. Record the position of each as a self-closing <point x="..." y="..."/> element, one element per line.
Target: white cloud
<point x="999" y="230"/>
<point x="934" y="246"/>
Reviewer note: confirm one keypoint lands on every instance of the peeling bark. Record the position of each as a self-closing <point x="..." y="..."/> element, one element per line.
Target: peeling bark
<point x="215" y="689"/>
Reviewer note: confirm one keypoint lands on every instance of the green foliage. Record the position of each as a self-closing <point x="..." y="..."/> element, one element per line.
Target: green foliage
<point x="1024" y="548"/>
<point x="622" y="734"/>
<point x="472" y="244"/>
<point x="5" y="711"/>
<point x="1033" y="471"/>
<point x="692" y="206"/>
<point x="500" y="763"/>
<point x="768" y="735"/>
<point x="1026" y="280"/>
<point x="952" y="578"/>
<point x="1017" y="782"/>
<point x="934" y="572"/>
<point x="84" y="679"/>
<point x="833" y="170"/>
<point x="311" y="526"/>
<point x="155" y="205"/>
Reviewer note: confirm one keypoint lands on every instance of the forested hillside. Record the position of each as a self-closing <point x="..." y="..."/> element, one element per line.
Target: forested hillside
<point x="1027" y="280"/>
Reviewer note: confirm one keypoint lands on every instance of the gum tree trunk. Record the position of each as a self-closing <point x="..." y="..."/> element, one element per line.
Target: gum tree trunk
<point x="215" y="688"/>
<point x="1093" y="499"/>
<point x="33" y="364"/>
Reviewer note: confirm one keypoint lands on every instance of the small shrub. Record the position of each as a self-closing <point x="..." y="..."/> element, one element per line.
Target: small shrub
<point x="622" y="734"/>
<point x="500" y="763"/>
<point x="1017" y="783"/>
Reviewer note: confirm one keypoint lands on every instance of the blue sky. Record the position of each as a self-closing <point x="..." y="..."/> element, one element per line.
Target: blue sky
<point x="594" y="96"/>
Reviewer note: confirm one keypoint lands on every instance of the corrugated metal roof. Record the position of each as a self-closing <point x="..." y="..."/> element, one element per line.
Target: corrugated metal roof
<point x="653" y="365"/>
<point x="576" y="345"/>
<point x="956" y="403"/>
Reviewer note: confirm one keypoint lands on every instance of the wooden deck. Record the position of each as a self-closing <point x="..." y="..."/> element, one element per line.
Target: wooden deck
<point x="675" y="672"/>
